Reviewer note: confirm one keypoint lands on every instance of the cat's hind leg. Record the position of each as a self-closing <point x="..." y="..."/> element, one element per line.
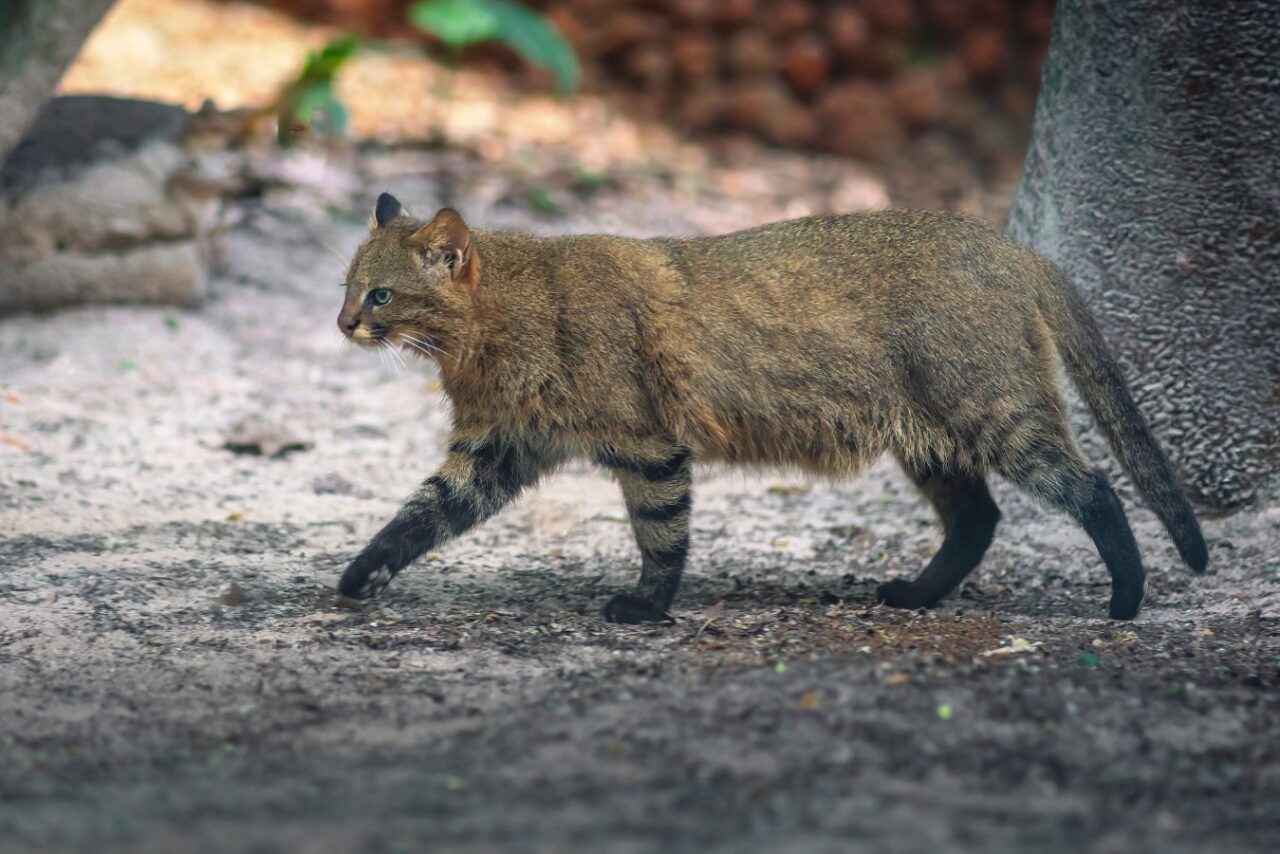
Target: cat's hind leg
<point x="969" y="516"/>
<point x="1056" y="473"/>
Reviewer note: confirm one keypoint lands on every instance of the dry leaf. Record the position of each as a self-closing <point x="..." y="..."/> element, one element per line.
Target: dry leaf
<point x="12" y="397"/>
<point x="233" y="595"/>
<point x="788" y="490"/>
<point x="712" y="614"/>
<point x="14" y="442"/>
<point x="1015" y="646"/>
<point x="896" y="679"/>
<point x="808" y="701"/>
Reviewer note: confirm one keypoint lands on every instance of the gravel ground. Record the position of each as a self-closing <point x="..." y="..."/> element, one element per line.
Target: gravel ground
<point x="482" y="704"/>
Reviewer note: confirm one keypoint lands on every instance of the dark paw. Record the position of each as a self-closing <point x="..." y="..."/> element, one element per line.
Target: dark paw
<point x="1126" y="602"/>
<point x="630" y="608"/>
<point x="365" y="578"/>
<point x="901" y="593"/>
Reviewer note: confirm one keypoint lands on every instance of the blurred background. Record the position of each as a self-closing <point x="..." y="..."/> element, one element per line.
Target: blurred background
<point x="934" y="97"/>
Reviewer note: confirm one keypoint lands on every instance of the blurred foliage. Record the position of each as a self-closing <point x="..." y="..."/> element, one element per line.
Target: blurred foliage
<point x="309" y="102"/>
<point x="462" y="23"/>
<point x="310" y="97"/>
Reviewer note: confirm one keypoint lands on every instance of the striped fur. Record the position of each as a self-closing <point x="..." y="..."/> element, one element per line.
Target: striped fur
<point x="657" y="490"/>
<point x="481" y="474"/>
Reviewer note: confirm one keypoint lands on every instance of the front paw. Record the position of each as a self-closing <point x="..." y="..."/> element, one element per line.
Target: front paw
<point x="630" y="608"/>
<point x="368" y="575"/>
<point x="901" y="593"/>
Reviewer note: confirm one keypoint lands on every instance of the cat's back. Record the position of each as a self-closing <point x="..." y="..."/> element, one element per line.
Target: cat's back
<point x="892" y="244"/>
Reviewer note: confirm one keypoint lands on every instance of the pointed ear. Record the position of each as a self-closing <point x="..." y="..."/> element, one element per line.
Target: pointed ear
<point x="447" y="234"/>
<point x="387" y="209"/>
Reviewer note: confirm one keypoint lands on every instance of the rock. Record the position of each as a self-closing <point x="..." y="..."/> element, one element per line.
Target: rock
<point x="917" y="97"/>
<point x="694" y="56"/>
<point x="258" y="436"/>
<point x="890" y="17"/>
<point x="750" y="54"/>
<point x="858" y="120"/>
<point x="102" y="201"/>
<point x="788" y="17"/>
<point x="984" y="52"/>
<point x="806" y="63"/>
<point x="847" y="32"/>
<point x="171" y="273"/>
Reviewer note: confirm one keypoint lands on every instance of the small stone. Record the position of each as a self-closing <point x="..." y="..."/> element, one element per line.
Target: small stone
<point x="234" y="595"/>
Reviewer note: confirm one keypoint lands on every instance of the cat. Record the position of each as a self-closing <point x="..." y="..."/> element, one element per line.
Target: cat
<point x="820" y="343"/>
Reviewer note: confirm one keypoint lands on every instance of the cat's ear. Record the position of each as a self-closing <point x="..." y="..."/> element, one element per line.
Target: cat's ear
<point x="447" y="234"/>
<point x="387" y="208"/>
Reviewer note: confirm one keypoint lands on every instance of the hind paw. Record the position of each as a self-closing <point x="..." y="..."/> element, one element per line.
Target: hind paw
<point x="630" y="608"/>
<point x="901" y="593"/>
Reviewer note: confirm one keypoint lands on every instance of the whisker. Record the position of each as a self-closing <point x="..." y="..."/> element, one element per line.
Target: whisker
<point x="342" y="262"/>
<point x="386" y="364"/>
<point x="421" y="349"/>
<point x="392" y="356"/>
<point x="426" y="345"/>
<point x="395" y="354"/>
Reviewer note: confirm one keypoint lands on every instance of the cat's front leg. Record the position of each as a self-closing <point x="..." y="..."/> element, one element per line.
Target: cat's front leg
<point x="482" y="473"/>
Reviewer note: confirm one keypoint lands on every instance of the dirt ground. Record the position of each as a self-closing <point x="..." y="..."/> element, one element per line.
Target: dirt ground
<point x="483" y="704"/>
<point x="175" y="673"/>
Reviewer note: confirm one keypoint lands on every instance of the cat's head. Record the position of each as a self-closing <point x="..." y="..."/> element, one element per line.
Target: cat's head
<point x="408" y="279"/>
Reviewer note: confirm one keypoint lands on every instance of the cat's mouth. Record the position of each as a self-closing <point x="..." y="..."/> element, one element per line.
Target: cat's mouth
<point x="370" y="336"/>
<point x="419" y="343"/>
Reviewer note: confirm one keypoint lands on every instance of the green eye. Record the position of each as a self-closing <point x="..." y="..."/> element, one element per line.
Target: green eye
<point x="381" y="296"/>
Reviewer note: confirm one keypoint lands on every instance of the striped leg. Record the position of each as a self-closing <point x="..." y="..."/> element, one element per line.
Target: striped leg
<point x="482" y="473"/>
<point x="655" y="483"/>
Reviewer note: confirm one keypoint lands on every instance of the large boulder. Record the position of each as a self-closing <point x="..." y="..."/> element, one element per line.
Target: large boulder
<point x="104" y="201"/>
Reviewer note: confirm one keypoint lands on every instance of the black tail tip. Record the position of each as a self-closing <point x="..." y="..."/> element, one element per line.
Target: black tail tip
<point x="354" y="585"/>
<point x="1194" y="550"/>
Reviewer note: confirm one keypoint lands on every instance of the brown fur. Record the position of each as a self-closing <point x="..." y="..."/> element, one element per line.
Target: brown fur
<point x="822" y="343"/>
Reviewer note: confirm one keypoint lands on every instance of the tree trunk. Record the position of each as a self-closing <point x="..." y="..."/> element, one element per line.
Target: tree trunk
<point x="38" y="39"/>
<point x="1153" y="179"/>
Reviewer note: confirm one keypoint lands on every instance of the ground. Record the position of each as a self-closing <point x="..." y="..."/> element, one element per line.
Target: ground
<point x="176" y="674"/>
<point x="482" y="702"/>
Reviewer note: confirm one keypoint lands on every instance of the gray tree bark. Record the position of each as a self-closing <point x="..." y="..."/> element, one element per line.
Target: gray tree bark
<point x="38" y="39"/>
<point x="1153" y="179"/>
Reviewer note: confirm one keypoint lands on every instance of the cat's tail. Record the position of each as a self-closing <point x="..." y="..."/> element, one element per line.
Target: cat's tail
<point x="1098" y="377"/>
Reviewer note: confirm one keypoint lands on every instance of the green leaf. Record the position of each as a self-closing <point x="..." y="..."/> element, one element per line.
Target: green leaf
<point x="312" y="91"/>
<point x="538" y="42"/>
<point x="540" y="200"/>
<point x="323" y="64"/>
<point x="457" y="23"/>
<point x="462" y="23"/>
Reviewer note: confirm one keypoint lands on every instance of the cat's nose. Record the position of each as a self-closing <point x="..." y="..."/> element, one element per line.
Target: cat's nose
<point x="348" y="321"/>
